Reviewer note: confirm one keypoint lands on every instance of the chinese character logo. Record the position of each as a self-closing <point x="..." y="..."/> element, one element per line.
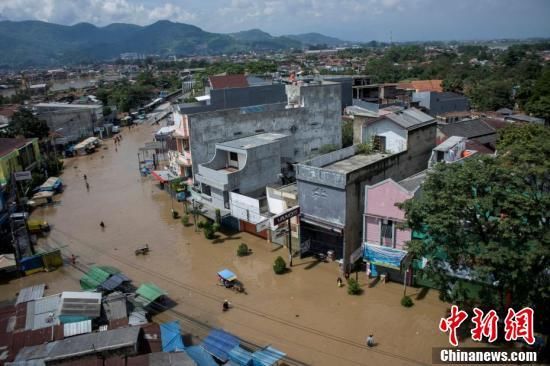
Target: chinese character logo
<point x="452" y="323"/>
<point x="485" y="326"/>
<point x="519" y="325"/>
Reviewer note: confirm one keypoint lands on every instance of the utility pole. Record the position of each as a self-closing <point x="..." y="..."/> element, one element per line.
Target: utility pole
<point x="289" y="243"/>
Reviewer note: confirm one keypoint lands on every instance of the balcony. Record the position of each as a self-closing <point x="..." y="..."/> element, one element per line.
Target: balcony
<point x="184" y="159"/>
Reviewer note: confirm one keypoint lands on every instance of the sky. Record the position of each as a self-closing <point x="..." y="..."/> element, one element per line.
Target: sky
<point x="353" y="20"/>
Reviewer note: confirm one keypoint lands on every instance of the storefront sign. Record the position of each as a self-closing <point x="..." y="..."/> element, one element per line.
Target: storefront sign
<point x="295" y="211"/>
<point x="24" y="175"/>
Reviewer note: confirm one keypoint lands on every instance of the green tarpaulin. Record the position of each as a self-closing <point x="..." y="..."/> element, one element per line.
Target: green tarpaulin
<point x="96" y="276"/>
<point x="149" y="292"/>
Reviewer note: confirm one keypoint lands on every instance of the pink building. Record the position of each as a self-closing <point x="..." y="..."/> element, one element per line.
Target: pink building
<point x="382" y="218"/>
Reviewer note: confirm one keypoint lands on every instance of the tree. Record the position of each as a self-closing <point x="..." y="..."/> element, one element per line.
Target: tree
<point x="26" y="124"/>
<point x="489" y="217"/>
<point x="279" y="266"/>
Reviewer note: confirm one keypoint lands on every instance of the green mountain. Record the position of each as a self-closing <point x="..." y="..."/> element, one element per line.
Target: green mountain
<point x="36" y="43"/>
<point x="316" y="39"/>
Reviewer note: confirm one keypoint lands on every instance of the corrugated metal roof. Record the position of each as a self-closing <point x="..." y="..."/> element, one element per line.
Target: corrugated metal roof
<point x="267" y="356"/>
<point x="219" y="342"/>
<point x="410" y="118"/>
<point x="72" y="329"/>
<point x="241" y="357"/>
<point x="449" y="143"/>
<point x="114" y="281"/>
<point x="80" y="304"/>
<point x="138" y="317"/>
<point x="43" y="312"/>
<point x="114" y="306"/>
<point x="30" y="293"/>
<point x="86" y="344"/>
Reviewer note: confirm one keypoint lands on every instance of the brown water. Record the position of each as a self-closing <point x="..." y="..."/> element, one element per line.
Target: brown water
<point x="303" y="313"/>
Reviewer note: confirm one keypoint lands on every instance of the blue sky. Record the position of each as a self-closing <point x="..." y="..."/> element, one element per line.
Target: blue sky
<point x="358" y="20"/>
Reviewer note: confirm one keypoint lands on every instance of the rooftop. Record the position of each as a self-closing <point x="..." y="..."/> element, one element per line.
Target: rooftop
<point x="67" y="105"/>
<point x="413" y="182"/>
<point x="423" y="85"/>
<point x="7" y="145"/>
<point x="449" y="143"/>
<point x="354" y="162"/>
<point x="410" y="118"/>
<point x="254" y="141"/>
<point x="468" y="128"/>
<point x="228" y="81"/>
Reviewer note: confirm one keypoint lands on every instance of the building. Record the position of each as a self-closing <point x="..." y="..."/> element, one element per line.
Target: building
<point x="17" y="154"/>
<point x="481" y="130"/>
<point x="390" y="132"/>
<point x="436" y="103"/>
<point x="331" y="190"/>
<point x="245" y="166"/>
<point x="216" y="99"/>
<point x="384" y="237"/>
<point x="310" y="115"/>
<point x="73" y="121"/>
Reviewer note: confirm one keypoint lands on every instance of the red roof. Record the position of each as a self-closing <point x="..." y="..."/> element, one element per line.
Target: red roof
<point x="7" y="145"/>
<point x="423" y="85"/>
<point x="228" y="81"/>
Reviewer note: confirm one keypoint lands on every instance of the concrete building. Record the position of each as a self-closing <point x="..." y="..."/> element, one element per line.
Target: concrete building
<point x="524" y="118"/>
<point x="310" y="116"/>
<point x="437" y="103"/>
<point x="246" y="166"/>
<point x="331" y="190"/>
<point x="73" y="121"/>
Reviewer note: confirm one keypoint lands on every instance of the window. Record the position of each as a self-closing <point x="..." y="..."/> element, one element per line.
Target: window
<point x="206" y="189"/>
<point x="386" y="232"/>
<point x="380" y="143"/>
<point x="233" y="156"/>
<point x="260" y="130"/>
<point x="237" y="133"/>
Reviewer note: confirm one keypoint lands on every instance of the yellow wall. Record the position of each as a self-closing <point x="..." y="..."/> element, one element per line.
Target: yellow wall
<point x="9" y="162"/>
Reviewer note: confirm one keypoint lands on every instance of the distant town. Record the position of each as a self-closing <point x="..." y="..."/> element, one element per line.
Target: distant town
<point x="324" y="204"/>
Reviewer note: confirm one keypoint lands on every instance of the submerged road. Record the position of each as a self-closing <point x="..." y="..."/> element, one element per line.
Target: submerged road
<point x="302" y="313"/>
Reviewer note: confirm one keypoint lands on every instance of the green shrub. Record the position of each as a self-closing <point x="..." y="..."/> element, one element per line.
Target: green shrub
<point x="208" y="232"/>
<point x="364" y="148"/>
<point x="216" y="227"/>
<point x="242" y="250"/>
<point x="406" y="301"/>
<point x="185" y="220"/>
<point x="279" y="267"/>
<point x="201" y="224"/>
<point x="218" y="216"/>
<point x="353" y="287"/>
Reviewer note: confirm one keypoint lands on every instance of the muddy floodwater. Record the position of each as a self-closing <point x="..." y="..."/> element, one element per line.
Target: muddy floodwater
<point x="302" y="313"/>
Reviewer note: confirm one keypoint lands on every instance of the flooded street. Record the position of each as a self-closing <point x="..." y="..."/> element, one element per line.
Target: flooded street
<point x="302" y="313"/>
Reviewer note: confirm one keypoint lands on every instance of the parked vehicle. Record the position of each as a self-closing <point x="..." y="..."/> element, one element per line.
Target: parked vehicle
<point x="115" y="129"/>
<point x="41" y="198"/>
<point x="37" y="226"/>
<point x="70" y="151"/>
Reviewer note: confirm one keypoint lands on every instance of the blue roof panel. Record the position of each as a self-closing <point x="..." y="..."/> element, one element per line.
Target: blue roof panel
<point x="171" y="337"/>
<point x="219" y="343"/>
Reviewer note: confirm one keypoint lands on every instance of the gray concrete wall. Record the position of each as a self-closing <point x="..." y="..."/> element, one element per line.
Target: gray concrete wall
<point x="316" y="124"/>
<point x="241" y="97"/>
<point x="321" y="194"/>
<point x="74" y="124"/>
<point x="437" y="105"/>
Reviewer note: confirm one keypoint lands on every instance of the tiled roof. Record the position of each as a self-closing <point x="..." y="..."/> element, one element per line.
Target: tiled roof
<point x="228" y="81"/>
<point x="470" y="128"/>
<point x="423" y="85"/>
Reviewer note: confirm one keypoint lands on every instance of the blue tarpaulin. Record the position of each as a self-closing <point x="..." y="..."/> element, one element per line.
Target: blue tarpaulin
<point x="267" y="356"/>
<point x="384" y="256"/>
<point x="241" y="357"/>
<point x="171" y="337"/>
<point x="219" y="343"/>
<point x="227" y="275"/>
<point x="200" y="356"/>
<point x="114" y="281"/>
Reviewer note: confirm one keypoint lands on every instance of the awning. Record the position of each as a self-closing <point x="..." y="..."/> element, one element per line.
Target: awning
<point x="7" y="261"/>
<point x="267" y="356"/>
<point x="384" y="256"/>
<point x="219" y="343"/>
<point x="171" y="337"/>
<point x="163" y="176"/>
